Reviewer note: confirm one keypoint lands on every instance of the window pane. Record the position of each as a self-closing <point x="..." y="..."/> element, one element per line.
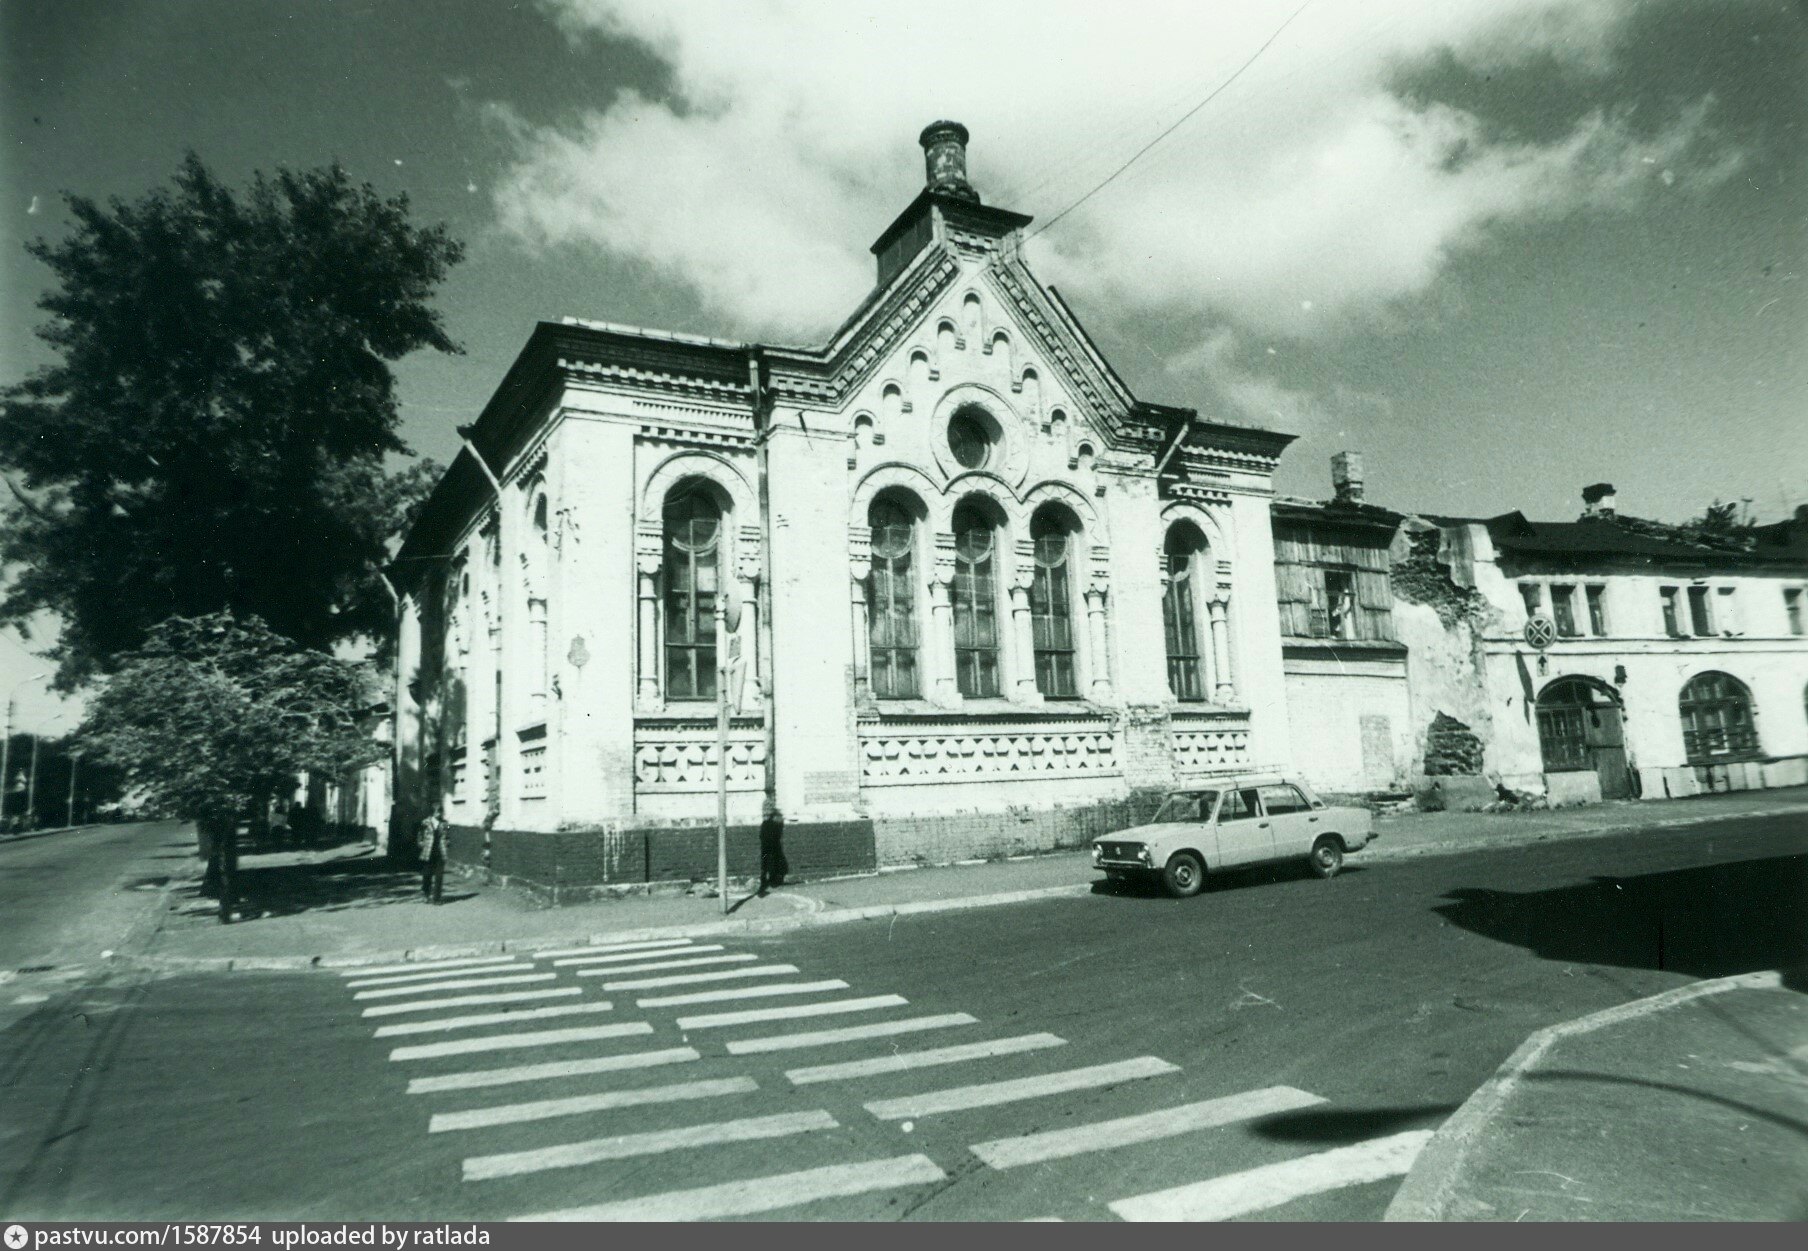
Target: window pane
<point x="1563" y="610"/>
<point x="975" y="609"/>
<point x="1597" y="611"/>
<point x="1179" y="623"/>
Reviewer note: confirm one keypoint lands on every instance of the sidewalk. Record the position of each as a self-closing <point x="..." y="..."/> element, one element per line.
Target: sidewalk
<point x="1690" y="1105"/>
<point x="347" y="904"/>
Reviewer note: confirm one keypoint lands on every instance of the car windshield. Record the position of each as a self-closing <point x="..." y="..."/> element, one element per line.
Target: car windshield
<point x="1185" y="806"/>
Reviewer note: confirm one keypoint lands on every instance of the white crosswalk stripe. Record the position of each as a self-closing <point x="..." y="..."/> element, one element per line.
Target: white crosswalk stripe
<point x="398" y="979"/>
<point x="899" y="1061"/>
<point x="699" y="974"/>
<point x="760" y="1194"/>
<point x="577" y="1105"/>
<point x="517" y="1042"/>
<point x="1057" y="1144"/>
<point x="989" y="1094"/>
<point x="629" y="957"/>
<point x="657" y="1142"/>
<point x="472" y="1001"/>
<point x="742" y="992"/>
<point x="1254" y="1190"/>
<point x="463" y="983"/>
<point x="848" y="1033"/>
<point x="692" y="979"/>
<point x="598" y="949"/>
<point x="834" y="1007"/>
<point x="651" y="966"/>
<point x="423" y="966"/>
<point x="444" y="1023"/>
<point x="558" y="1068"/>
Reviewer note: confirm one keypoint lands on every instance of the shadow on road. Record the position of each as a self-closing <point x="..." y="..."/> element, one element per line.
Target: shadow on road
<point x="1323" y="1125"/>
<point x="1673" y="1088"/>
<point x="1148" y="886"/>
<point x="1710" y="921"/>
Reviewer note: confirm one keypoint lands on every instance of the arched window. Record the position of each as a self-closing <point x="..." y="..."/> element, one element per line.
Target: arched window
<point x="891" y="602"/>
<point x="1717" y="719"/>
<point x="1184" y="551"/>
<point x="1051" y="605"/>
<point x="975" y="596"/>
<point x="693" y="532"/>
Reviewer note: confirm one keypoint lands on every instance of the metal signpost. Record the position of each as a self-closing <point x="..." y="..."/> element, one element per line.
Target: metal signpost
<point x="728" y="666"/>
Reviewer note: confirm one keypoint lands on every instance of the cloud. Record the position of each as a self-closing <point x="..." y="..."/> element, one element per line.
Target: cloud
<point x="1309" y="196"/>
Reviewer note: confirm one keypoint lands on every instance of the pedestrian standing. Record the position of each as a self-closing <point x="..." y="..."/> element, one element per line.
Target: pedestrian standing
<point x="433" y="857"/>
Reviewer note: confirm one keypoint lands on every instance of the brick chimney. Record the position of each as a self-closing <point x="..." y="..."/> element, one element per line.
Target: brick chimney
<point x="1597" y="500"/>
<point x="945" y="160"/>
<point x="1346" y="477"/>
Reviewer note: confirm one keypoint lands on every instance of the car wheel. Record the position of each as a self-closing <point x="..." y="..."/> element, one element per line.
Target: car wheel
<point x="1327" y="856"/>
<point x="1183" y="875"/>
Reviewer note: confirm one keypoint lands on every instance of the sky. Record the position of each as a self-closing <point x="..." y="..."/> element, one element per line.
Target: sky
<point x="1504" y="248"/>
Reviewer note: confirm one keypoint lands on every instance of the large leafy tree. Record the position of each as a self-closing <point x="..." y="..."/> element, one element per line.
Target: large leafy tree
<point x="215" y="716"/>
<point x="213" y="433"/>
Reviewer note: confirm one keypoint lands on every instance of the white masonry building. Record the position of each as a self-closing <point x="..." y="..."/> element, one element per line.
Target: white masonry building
<point x="1005" y="597"/>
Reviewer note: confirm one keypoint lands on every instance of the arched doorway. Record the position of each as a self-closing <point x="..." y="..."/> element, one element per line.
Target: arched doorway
<point x="1580" y="729"/>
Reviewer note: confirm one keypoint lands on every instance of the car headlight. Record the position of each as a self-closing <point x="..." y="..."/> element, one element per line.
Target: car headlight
<point x="1142" y="854"/>
<point x="1098" y="853"/>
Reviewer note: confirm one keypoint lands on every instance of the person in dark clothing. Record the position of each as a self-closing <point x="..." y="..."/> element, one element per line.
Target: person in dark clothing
<point x="774" y="868"/>
<point x="433" y="857"/>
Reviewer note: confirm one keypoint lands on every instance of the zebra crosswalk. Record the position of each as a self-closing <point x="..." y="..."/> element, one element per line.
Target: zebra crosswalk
<point x="718" y="1084"/>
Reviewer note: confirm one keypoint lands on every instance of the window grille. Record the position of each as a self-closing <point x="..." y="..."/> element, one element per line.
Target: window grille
<point x="1717" y="719"/>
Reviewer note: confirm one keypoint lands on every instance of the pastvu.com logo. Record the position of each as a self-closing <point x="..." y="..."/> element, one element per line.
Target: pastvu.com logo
<point x="16" y="1237"/>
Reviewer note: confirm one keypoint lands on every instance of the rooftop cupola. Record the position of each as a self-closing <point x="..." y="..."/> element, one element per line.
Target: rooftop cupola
<point x="945" y="160"/>
<point x="946" y="202"/>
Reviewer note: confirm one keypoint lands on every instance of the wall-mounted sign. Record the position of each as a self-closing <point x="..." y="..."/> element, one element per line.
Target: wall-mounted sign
<point x="1540" y="631"/>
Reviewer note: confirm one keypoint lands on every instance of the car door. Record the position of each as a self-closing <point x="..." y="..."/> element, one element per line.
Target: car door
<point x="1291" y="820"/>
<point x="1241" y="829"/>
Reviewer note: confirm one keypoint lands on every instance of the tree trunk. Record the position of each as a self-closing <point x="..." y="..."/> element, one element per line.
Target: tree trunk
<point x="229" y="870"/>
<point x="208" y="843"/>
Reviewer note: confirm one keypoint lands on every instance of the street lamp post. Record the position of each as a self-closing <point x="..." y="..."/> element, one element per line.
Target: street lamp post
<point x="75" y="760"/>
<point x="6" y="740"/>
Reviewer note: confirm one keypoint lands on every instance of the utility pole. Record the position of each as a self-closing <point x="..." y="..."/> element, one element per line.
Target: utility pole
<point x="6" y="741"/>
<point x="31" y="787"/>
<point x="75" y="759"/>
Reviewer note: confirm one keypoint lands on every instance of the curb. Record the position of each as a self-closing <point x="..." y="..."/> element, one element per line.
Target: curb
<point x="703" y="929"/>
<point x="1429" y="1189"/>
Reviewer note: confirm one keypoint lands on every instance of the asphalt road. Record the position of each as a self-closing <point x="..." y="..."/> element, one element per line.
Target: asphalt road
<point x="1141" y="1048"/>
<point x="69" y="895"/>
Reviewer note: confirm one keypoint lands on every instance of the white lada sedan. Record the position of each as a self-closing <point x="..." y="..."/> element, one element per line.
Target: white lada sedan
<point x="1236" y="821"/>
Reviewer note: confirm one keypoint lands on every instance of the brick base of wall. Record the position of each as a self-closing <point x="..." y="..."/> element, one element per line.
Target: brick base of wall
<point x="950" y="837"/>
<point x="571" y="865"/>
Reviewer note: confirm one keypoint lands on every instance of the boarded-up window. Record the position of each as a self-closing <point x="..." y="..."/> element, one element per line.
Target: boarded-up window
<point x="1332" y="585"/>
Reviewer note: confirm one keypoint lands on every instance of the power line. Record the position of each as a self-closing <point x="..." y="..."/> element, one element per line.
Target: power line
<point x="1112" y="177"/>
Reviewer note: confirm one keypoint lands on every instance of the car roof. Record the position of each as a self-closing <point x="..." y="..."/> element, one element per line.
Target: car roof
<point x="1237" y="781"/>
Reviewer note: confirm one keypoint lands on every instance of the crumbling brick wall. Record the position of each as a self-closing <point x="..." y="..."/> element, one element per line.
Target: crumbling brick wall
<point x="1451" y="748"/>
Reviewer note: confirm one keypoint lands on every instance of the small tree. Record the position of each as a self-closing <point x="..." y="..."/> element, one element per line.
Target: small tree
<point x="214" y="717"/>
